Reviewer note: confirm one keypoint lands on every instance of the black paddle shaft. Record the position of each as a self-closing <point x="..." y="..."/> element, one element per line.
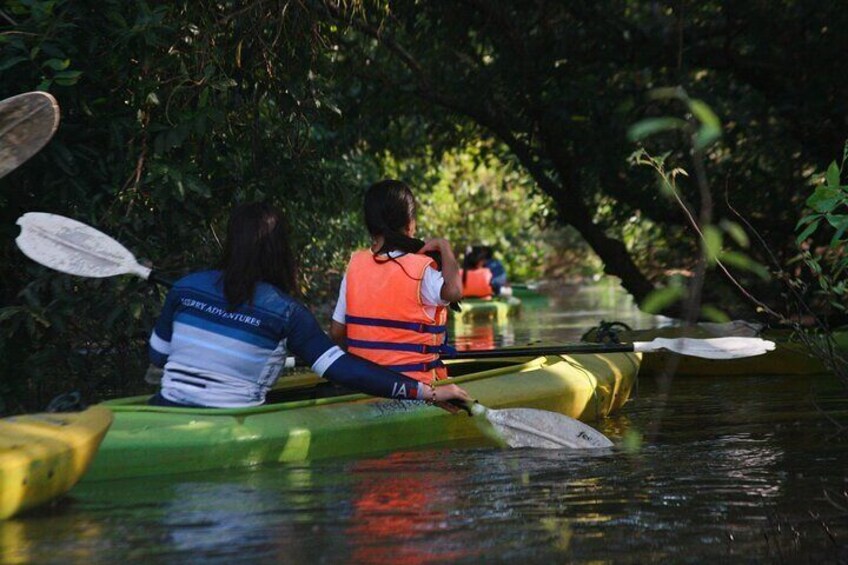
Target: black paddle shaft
<point x="568" y="349"/>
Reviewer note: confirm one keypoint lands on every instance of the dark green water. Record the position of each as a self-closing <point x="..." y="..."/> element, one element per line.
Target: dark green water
<point x="740" y="469"/>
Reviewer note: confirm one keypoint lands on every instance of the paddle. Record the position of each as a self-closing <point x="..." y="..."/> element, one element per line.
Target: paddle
<point x="27" y="122"/>
<point x="530" y="427"/>
<point x="73" y="247"/>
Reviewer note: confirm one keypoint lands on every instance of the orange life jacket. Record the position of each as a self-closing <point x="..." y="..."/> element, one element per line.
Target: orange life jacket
<point x="386" y="320"/>
<point x="476" y="283"/>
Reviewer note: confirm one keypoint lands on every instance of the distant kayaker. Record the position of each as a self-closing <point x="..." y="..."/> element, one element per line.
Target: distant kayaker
<point x="223" y="335"/>
<point x="476" y="278"/>
<point x="392" y="306"/>
<point x="498" y="282"/>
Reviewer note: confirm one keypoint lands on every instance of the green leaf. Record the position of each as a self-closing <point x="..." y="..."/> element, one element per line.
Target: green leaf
<point x="840" y="230"/>
<point x="67" y="78"/>
<point x="711" y="243"/>
<point x="710" y="129"/>
<point x="742" y="261"/>
<point x="644" y="128"/>
<point x="714" y="314"/>
<point x="632" y="441"/>
<point x="57" y="64"/>
<point x="807" y="219"/>
<point x="668" y="92"/>
<point x="658" y="300"/>
<point x="11" y="62"/>
<point x="832" y="175"/>
<point x="736" y="232"/>
<point x="704" y="114"/>
<point x="807" y="232"/>
<point x="825" y="199"/>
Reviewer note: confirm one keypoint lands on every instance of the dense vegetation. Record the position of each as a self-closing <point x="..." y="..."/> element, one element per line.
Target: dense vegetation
<point x="173" y="111"/>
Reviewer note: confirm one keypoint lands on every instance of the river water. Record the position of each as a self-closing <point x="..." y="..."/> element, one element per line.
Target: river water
<point x="741" y="469"/>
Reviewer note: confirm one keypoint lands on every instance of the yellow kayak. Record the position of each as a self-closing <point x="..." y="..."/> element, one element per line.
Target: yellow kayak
<point x="43" y="455"/>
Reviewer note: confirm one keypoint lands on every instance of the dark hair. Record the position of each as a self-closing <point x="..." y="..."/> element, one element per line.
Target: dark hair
<point x="390" y="207"/>
<point x="472" y="258"/>
<point x="257" y="250"/>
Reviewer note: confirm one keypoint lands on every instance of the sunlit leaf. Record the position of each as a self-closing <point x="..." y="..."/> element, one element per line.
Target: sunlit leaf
<point x="736" y="232"/>
<point x="710" y="128"/>
<point x="832" y="176"/>
<point x="668" y="92"/>
<point x="631" y="441"/>
<point x="660" y="299"/>
<point x="714" y="314"/>
<point x="711" y="244"/>
<point x="742" y="261"/>
<point x="644" y="128"/>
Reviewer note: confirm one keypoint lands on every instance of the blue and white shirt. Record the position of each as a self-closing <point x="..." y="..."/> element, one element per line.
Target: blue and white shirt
<point x="227" y="358"/>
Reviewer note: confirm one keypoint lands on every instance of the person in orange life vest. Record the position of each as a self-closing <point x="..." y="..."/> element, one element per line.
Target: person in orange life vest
<point x="392" y="306"/>
<point x="476" y="279"/>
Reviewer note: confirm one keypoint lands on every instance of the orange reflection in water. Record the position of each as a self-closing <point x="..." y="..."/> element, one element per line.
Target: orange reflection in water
<point x="401" y="516"/>
<point x="476" y="337"/>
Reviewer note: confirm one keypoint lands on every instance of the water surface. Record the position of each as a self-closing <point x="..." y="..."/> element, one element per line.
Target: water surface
<point x="743" y="469"/>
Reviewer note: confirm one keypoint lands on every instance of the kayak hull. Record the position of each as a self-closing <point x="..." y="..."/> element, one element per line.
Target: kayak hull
<point x="43" y="455"/>
<point x="148" y="440"/>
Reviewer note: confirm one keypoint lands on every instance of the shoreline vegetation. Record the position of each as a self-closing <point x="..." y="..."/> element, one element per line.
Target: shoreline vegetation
<point x="173" y="112"/>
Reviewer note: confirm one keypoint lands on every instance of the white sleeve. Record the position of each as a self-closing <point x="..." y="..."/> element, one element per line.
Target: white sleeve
<point x="341" y="304"/>
<point x="431" y="288"/>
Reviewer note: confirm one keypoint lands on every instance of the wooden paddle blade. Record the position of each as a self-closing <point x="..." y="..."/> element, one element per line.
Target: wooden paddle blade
<point x="530" y="427"/>
<point x="712" y="348"/>
<point x="27" y="122"/>
<point x="72" y="247"/>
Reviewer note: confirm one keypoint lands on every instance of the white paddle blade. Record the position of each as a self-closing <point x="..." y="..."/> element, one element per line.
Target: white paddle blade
<point x="72" y="247"/>
<point x="712" y="348"/>
<point x="27" y="122"/>
<point x="530" y="427"/>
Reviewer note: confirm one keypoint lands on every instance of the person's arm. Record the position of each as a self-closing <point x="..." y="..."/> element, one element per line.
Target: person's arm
<point x="452" y="289"/>
<point x="338" y="332"/>
<point x="160" y="337"/>
<point x="307" y="341"/>
<point x="338" y="328"/>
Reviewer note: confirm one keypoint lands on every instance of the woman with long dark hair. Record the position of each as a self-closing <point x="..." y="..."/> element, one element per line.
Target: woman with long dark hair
<point x="392" y="306"/>
<point x="223" y="335"/>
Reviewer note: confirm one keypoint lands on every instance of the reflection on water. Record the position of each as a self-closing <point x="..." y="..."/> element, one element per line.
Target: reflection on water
<point x="564" y="315"/>
<point x="731" y="468"/>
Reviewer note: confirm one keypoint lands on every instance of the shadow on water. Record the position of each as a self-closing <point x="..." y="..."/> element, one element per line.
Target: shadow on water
<point x="729" y="468"/>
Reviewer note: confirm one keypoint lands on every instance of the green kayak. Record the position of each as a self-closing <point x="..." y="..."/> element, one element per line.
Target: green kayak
<point x="498" y="308"/>
<point x="527" y="293"/>
<point x="304" y="420"/>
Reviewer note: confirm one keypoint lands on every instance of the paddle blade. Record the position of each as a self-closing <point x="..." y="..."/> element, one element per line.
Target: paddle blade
<point x="27" y="122"/>
<point x="529" y="427"/>
<point x="713" y="348"/>
<point x="72" y="247"/>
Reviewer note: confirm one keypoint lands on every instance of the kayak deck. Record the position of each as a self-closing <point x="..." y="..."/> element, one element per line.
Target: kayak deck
<point x="315" y="422"/>
<point x="43" y="455"/>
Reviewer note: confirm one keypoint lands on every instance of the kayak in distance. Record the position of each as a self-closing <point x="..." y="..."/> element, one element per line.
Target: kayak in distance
<point x="308" y="418"/>
<point x="498" y="308"/>
<point x="43" y="455"/>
